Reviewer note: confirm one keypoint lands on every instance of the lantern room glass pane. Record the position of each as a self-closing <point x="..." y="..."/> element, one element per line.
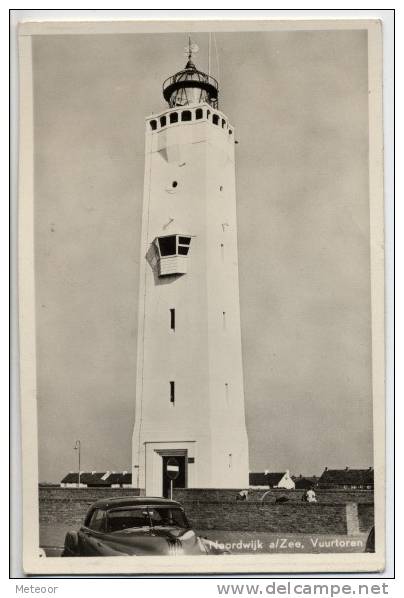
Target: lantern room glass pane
<point x="184" y="240"/>
<point x="182" y="250"/>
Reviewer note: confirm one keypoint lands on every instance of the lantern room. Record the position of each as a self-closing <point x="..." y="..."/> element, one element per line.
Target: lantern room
<point x="191" y="86"/>
<point x="172" y="251"/>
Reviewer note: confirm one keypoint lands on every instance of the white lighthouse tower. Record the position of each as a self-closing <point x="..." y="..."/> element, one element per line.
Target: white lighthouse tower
<point x="189" y="392"/>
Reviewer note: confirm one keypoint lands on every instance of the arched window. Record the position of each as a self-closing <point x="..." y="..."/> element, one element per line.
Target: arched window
<point x="186" y="115"/>
<point x="208" y="114"/>
<point x="215" y="119"/>
<point x="223" y="123"/>
<point x="230" y="132"/>
<point x="198" y="113"/>
<point x="163" y="121"/>
<point x="173" y="117"/>
<point x="153" y="124"/>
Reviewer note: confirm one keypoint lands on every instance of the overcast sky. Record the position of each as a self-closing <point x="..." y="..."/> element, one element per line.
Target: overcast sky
<point x="298" y="101"/>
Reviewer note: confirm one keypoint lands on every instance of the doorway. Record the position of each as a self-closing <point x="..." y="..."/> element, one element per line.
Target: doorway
<point x="181" y="481"/>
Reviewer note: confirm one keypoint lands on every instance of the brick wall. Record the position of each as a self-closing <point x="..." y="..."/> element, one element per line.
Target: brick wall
<point x="229" y="495"/>
<point x="366" y="516"/>
<point x="285" y="518"/>
<point x="69" y="505"/>
<point x="338" y="512"/>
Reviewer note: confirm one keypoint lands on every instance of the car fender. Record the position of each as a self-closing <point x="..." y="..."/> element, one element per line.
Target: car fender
<point x="71" y="546"/>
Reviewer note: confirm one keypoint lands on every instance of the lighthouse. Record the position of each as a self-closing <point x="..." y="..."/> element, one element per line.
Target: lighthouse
<point x="189" y="413"/>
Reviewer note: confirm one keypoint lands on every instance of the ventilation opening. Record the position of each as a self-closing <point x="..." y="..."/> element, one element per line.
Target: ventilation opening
<point x="198" y="113"/>
<point x="186" y="115"/>
<point x="172" y="319"/>
<point x="174" y="184"/>
<point x="172" y="391"/>
<point x="153" y="125"/>
<point x="173" y="117"/>
<point x="215" y="119"/>
<point x="163" y="121"/>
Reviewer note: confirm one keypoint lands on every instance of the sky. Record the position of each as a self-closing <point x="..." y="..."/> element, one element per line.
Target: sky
<point x="298" y="102"/>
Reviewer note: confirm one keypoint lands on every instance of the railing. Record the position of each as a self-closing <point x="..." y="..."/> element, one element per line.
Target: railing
<point x="193" y="76"/>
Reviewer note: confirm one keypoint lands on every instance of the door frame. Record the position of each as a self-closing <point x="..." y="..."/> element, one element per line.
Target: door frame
<point x="154" y="464"/>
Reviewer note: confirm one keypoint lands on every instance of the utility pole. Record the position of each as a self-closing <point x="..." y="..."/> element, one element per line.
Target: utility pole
<point x="77" y="447"/>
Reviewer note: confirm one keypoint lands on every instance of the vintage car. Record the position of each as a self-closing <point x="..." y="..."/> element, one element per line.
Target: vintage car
<point x="136" y="526"/>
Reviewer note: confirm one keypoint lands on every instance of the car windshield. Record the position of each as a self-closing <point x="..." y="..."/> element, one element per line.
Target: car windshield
<point x="168" y="517"/>
<point x="141" y="517"/>
<point x="121" y="519"/>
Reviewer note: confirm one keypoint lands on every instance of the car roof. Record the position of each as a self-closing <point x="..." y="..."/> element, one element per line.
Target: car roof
<point x="128" y="501"/>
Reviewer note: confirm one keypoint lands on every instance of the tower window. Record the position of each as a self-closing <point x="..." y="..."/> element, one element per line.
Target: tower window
<point x="183" y="245"/>
<point x="163" y="121"/>
<point x="172" y="319"/>
<point x="168" y="248"/>
<point x="223" y="123"/>
<point x="186" y="115"/>
<point x="172" y="391"/>
<point x="173" y="117"/>
<point x="221" y="187"/>
<point x="198" y="113"/>
<point x="208" y="114"/>
<point x="174" y="184"/>
<point x="230" y="132"/>
<point x="184" y="240"/>
<point x="153" y="125"/>
<point x="215" y="119"/>
<point x="167" y="245"/>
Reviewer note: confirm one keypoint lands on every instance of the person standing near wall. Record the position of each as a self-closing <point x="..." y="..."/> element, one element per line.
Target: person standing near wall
<point x="309" y="495"/>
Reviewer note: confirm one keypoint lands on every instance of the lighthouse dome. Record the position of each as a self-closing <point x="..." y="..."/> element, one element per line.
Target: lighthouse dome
<point x="190" y="86"/>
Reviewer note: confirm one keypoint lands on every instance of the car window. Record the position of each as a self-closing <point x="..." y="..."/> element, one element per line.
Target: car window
<point x="168" y="517"/>
<point x="97" y="520"/>
<point x="127" y="518"/>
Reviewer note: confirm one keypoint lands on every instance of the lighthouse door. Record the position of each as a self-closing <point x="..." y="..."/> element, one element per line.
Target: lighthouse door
<point x="180" y="481"/>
